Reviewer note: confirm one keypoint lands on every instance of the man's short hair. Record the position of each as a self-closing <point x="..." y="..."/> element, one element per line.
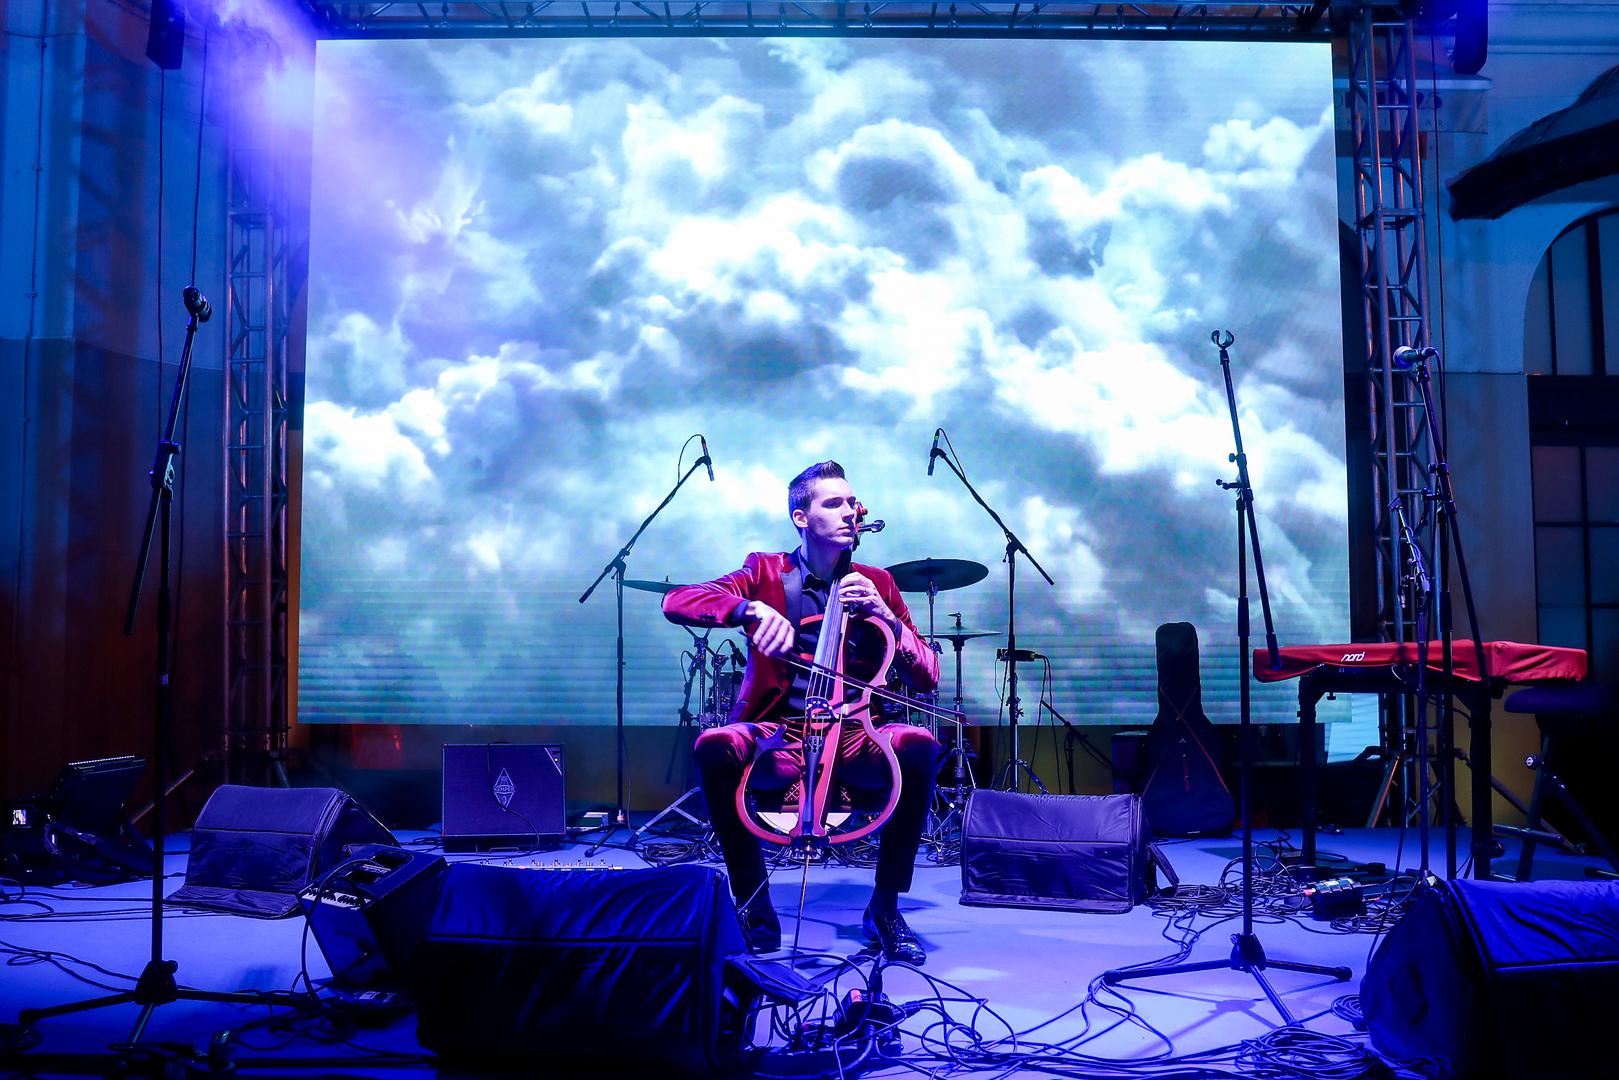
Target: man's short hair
<point x="802" y="487"/>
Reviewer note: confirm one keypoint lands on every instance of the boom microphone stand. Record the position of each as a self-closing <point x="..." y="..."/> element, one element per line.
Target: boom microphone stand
<point x="1448" y="538"/>
<point x="616" y="566"/>
<point x="156" y="985"/>
<point x="1014" y="705"/>
<point x="1247" y="954"/>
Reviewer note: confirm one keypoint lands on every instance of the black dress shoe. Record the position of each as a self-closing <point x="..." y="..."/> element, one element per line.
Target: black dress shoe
<point x="900" y="944"/>
<point x="761" y="926"/>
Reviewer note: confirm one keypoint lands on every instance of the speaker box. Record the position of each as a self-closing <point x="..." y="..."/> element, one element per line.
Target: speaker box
<point x="604" y="969"/>
<point x="1500" y="979"/>
<point x="503" y="795"/>
<point x="78" y="831"/>
<point x="253" y="850"/>
<point x="370" y="912"/>
<point x="1066" y="852"/>
<point x="166" y="34"/>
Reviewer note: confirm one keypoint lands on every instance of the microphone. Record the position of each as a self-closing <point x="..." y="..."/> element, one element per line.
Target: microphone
<point x="933" y="455"/>
<point x="1406" y="357"/>
<point x="197" y="304"/>
<point x="872" y="526"/>
<point x="706" y="459"/>
<point x="1023" y="656"/>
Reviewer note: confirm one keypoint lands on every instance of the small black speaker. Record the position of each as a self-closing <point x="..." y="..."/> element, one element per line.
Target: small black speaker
<point x="503" y="795"/>
<point x="78" y="830"/>
<point x="370" y="912"/>
<point x="253" y="850"/>
<point x="588" y="971"/>
<point x="1500" y="979"/>
<point x="166" y="34"/>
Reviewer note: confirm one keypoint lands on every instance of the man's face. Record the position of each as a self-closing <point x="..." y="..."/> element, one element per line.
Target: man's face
<point x="830" y="516"/>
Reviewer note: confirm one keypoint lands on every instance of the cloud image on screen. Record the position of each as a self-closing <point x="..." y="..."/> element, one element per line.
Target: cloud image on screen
<point x="538" y="267"/>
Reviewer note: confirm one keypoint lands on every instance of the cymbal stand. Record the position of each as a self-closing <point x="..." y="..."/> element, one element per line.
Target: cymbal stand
<point x="1247" y="954"/>
<point x="1015" y="765"/>
<point x="954" y="797"/>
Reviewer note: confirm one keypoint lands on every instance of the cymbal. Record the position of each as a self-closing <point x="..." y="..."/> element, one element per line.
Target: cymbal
<point x="651" y="586"/>
<point x="955" y="633"/>
<point x="943" y="574"/>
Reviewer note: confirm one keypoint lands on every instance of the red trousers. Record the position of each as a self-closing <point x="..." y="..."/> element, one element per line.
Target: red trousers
<point x="722" y="753"/>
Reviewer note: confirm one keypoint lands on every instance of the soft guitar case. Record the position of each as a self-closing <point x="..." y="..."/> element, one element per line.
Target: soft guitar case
<point x="1178" y="777"/>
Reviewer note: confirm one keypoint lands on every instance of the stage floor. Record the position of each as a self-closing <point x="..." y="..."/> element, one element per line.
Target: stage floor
<point x="1033" y="970"/>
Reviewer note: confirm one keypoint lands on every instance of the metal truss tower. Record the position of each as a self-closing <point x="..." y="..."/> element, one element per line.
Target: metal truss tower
<point x="1391" y="224"/>
<point x="1220" y="20"/>
<point x="257" y="321"/>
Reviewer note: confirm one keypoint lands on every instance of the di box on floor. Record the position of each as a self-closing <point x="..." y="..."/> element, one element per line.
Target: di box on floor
<point x="1501" y="979"/>
<point x="1068" y="852"/>
<point x="586" y="969"/>
<point x="254" y="849"/>
<point x="503" y="795"/>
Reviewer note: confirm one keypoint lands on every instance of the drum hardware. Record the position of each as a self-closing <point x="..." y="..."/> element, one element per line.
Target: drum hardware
<point x="933" y="576"/>
<point x="938" y="575"/>
<point x="954" y="797"/>
<point x="705" y="671"/>
<point x="651" y="586"/>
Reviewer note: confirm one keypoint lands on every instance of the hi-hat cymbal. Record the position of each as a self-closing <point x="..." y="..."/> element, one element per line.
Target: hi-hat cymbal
<point x="651" y="586"/>
<point x="956" y="633"/>
<point x="941" y="574"/>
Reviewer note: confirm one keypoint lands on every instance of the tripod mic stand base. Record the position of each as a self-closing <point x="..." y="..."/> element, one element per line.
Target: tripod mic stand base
<point x="156" y="986"/>
<point x="1247" y="954"/>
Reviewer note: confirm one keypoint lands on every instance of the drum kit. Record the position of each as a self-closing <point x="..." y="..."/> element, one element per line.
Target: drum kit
<point x="714" y="674"/>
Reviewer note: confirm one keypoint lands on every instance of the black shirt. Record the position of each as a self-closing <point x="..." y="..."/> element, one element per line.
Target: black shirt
<point x="813" y="594"/>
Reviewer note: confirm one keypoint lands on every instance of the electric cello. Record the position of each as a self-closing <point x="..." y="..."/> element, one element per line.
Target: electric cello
<point x="852" y="658"/>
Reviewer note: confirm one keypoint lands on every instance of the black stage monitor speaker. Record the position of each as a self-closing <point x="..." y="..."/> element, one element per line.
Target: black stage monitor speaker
<point x="600" y="969"/>
<point x="369" y="914"/>
<point x="503" y="795"/>
<point x="1500" y="979"/>
<point x="77" y="831"/>
<point x="1067" y="852"/>
<point x="253" y="850"/>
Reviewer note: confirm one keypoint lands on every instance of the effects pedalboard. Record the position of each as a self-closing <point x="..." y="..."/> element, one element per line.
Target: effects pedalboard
<point x="1336" y="898"/>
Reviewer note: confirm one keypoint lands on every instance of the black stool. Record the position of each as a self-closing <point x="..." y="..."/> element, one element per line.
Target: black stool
<point x="1559" y="710"/>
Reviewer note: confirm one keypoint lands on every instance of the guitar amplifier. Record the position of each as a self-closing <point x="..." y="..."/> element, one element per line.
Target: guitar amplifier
<point x="503" y="795"/>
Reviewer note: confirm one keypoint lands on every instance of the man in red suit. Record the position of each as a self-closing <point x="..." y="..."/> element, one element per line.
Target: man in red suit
<point x="769" y="598"/>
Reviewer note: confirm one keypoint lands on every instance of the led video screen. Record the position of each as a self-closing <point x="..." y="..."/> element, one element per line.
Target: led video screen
<point x="538" y="267"/>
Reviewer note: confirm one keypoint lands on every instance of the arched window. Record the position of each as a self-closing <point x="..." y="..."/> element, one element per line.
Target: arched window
<point x="1571" y="352"/>
<point x="1571" y="321"/>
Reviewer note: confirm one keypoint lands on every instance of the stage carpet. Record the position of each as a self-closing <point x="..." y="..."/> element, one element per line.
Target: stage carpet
<point x="991" y="972"/>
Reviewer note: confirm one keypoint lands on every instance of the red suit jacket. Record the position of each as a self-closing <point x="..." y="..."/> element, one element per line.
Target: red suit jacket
<point x="767" y="681"/>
